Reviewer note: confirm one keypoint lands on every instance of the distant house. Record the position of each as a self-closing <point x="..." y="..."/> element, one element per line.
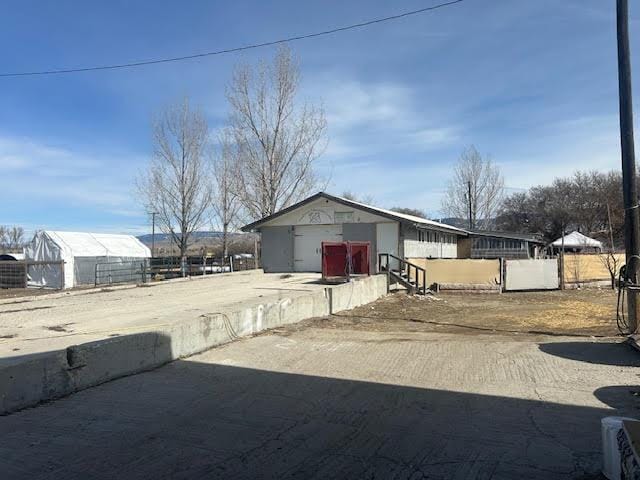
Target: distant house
<point x="577" y="242"/>
<point x="291" y="238"/>
<point x="493" y="244"/>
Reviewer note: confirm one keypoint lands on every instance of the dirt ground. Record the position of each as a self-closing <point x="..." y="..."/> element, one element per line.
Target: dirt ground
<point x="569" y="312"/>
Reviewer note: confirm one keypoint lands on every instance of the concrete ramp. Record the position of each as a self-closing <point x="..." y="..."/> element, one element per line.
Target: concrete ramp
<point x="33" y="378"/>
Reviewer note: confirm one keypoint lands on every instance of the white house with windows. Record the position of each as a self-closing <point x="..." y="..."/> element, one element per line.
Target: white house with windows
<point x="291" y="238"/>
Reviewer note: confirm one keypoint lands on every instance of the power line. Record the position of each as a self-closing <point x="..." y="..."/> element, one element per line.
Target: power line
<point x="232" y="50"/>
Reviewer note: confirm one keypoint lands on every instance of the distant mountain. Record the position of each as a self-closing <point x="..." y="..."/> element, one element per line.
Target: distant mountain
<point x="147" y="238"/>
<point x="455" y="222"/>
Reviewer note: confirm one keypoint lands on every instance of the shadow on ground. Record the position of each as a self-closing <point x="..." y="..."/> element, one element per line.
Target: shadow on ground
<point x="618" y="397"/>
<point x="196" y="420"/>
<point x="604" y="353"/>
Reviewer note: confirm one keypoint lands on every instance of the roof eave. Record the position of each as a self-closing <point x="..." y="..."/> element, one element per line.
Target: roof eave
<point x="251" y="227"/>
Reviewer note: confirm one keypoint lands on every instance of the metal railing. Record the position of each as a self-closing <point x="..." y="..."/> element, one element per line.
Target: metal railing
<point x="164" y="268"/>
<point x="403" y="273"/>
<point x="110" y="273"/>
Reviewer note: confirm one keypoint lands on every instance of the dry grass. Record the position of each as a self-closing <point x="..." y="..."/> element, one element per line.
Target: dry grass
<point x="571" y="312"/>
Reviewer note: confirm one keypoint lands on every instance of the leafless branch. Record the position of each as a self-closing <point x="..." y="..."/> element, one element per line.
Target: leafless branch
<point x="277" y="141"/>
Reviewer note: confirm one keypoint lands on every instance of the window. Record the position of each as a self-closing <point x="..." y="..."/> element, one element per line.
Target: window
<point x="343" y="217"/>
<point x="421" y="235"/>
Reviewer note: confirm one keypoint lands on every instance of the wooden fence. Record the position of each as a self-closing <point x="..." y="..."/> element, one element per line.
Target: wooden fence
<point x="592" y="267"/>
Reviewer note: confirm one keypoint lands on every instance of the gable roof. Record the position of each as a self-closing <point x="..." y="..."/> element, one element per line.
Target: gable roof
<point x="577" y="240"/>
<point x="390" y="214"/>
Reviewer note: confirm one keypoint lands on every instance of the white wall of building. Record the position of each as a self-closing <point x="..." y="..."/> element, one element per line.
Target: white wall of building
<point x="430" y="244"/>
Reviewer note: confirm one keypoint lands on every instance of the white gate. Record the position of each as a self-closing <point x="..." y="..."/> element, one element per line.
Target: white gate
<point x="531" y="274"/>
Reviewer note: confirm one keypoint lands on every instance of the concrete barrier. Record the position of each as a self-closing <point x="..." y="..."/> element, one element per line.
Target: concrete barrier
<point x="28" y="380"/>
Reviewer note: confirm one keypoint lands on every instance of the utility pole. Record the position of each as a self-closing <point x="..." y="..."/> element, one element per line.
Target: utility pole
<point x="562" y="286"/>
<point x="470" y="209"/>
<point x="629" y="185"/>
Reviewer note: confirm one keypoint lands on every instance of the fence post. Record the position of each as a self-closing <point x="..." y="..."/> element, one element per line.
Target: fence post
<point x="230" y="263"/>
<point x="95" y="275"/>
<point x="503" y="273"/>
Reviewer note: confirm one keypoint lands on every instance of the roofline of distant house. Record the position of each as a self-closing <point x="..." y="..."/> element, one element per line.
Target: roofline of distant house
<point x="343" y="201"/>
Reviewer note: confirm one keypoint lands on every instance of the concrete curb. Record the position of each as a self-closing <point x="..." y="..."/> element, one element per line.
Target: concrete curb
<point x="36" y="378"/>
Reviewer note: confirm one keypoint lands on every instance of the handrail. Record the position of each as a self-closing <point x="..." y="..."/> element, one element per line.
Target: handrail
<point x="402" y="263"/>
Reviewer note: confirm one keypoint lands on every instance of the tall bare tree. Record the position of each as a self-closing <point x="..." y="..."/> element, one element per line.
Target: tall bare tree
<point x="226" y="202"/>
<point x="278" y="138"/>
<point x="177" y="182"/>
<point x="483" y="178"/>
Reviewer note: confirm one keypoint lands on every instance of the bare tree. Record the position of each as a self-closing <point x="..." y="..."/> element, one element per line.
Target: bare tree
<point x="226" y="202"/>
<point x="479" y="175"/>
<point x="366" y="199"/>
<point x="177" y="182"/>
<point x="610" y="260"/>
<point x="4" y="237"/>
<point x="16" y="237"/>
<point x="278" y="140"/>
<point x="11" y="238"/>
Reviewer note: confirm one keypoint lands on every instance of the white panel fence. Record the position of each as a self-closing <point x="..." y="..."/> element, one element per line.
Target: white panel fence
<point x="531" y="274"/>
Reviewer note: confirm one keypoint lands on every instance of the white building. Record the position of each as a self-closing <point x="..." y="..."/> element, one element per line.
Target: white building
<point x="577" y="242"/>
<point x="292" y="237"/>
<point x="80" y="252"/>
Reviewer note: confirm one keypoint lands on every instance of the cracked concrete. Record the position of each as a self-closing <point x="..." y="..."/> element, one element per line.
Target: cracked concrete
<point x="325" y="403"/>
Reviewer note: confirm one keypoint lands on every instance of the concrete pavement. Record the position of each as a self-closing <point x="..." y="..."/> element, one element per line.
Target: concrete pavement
<point x="189" y="320"/>
<point x="321" y="403"/>
<point x="52" y="323"/>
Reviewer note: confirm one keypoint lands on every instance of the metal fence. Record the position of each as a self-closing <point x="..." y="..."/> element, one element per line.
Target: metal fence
<point x="121" y="272"/>
<point x="13" y="274"/>
<point x="172" y="267"/>
<point x="21" y="274"/>
<point x="164" y="268"/>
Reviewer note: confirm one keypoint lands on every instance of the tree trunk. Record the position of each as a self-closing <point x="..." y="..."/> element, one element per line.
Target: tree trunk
<point x="183" y="258"/>
<point x="225" y="246"/>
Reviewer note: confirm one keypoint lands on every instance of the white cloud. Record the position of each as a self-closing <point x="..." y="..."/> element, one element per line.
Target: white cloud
<point x="376" y="118"/>
<point x="353" y="104"/>
<point x="433" y="137"/>
<point x="78" y="178"/>
<point x="561" y="148"/>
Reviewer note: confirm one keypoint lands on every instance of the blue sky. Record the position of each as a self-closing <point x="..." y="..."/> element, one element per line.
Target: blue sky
<point x="531" y="83"/>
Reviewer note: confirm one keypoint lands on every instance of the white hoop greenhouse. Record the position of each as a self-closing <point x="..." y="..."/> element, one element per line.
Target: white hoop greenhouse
<point x="69" y="259"/>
